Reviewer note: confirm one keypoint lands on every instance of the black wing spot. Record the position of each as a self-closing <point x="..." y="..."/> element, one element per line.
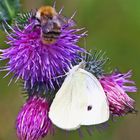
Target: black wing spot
<point x="89" y="108"/>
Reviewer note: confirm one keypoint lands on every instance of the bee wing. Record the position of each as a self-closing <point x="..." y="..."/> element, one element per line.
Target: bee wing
<point x="47" y="26"/>
<point x="64" y="21"/>
<point x="79" y="91"/>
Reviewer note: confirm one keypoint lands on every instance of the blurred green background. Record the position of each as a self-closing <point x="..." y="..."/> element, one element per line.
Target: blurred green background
<point x="114" y="27"/>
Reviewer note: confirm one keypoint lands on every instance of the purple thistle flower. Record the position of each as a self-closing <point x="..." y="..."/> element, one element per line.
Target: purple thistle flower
<point x="33" y="61"/>
<point x="115" y="88"/>
<point x="32" y="122"/>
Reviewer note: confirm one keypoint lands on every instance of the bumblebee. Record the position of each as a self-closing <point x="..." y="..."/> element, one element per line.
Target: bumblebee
<point x="50" y="23"/>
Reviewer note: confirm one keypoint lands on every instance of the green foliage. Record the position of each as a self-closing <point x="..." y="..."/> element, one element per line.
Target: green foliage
<point x="8" y="9"/>
<point x="23" y="18"/>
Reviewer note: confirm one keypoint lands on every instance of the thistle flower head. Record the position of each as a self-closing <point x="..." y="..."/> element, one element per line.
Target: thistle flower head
<point x="32" y="122"/>
<point x="95" y="63"/>
<point x="115" y="88"/>
<point x="32" y="60"/>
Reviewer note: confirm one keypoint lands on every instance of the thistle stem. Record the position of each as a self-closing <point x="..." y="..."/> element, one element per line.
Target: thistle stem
<point x="10" y="11"/>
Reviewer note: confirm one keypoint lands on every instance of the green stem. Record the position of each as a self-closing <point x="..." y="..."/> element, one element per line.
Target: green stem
<point x="10" y="11"/>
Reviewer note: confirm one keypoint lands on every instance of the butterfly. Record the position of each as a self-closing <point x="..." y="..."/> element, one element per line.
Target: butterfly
<point x="81" y="100"/>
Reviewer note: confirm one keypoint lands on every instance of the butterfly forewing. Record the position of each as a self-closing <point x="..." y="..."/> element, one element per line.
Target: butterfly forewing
<point x="97" y="109"/>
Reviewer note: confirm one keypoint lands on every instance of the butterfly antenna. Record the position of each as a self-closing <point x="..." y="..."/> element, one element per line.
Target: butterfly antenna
<point x="60" y="76"/>
<point x="85" y="47"/>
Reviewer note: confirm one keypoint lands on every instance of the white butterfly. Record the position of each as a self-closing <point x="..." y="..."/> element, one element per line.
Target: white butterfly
<point x="80" y="101"/>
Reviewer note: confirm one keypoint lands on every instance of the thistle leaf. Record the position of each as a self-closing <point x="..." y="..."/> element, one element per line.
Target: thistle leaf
<point x="22" y="19"/>
<point x="8" y="10"/>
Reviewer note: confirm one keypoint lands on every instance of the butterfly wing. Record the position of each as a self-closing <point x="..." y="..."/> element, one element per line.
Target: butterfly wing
<point x="61" y="111"/>
<point x="96" y="110"/>
<point x="80" y="101"/>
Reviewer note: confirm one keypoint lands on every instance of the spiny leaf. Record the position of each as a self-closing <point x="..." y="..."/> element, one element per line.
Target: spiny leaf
<point x="8" y="10"/>
<point x="22" y="19"/>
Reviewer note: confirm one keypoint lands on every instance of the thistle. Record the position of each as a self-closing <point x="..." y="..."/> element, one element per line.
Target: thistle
<point x="116" y="91"/>
<point x="32" y="60"/>
<point x="96" y="62"/>
<point x="32" y="121"/>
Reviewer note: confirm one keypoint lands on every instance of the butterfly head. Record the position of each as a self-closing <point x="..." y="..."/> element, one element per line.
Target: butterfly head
<point x="82" y="64"/>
